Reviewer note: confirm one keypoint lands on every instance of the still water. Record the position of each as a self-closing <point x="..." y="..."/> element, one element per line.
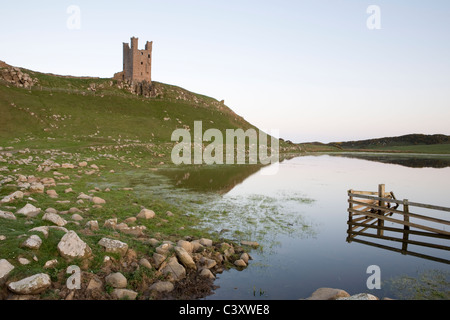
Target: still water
<point x="299" y="217"/>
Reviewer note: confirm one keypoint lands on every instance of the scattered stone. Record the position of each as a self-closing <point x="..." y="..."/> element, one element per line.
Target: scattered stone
<point x="158" y="259"/>
<point x="51" y="210"/>
<point x="76" y="217"/>
<point x="162" y="287"/>
<point x="82" y="164"/>
<point x="206" y="242"/>
<point x="54" y="218"/>
<point x="206" y="273"/>
<point x="13" y="196"/>
<point x="207" y="263"/>
<point x="174" y="270"/>
<point x="240" y="263"/>
<point x="328" y="294"/>
<point x="114" y="246"/>
<point x="145" y="263"/>
<point x="83" y="196"/>
<point x="186" y="245"/>
<point x="110" y="223"/>
<point x="5" y="269"/>
<point x="98" y="200"/>
<point x="164" y="248"/>
<point x="52" y="194"/>
<point x="116" y="280"/>
<point x="36" y="187"/>
<point x="29" y="210"/>
<point x="124" y="294"/>
<point x="245" y="257"/>
<point x="93" y="225"/>
<point x="359" y="296"/>
<point x="7" y="215"/>
<point x="50" y="264"/>
<point x="33" y="242"/>
<point x="68" y="190"/>
<point x="24" y="261"/>
<point x="184" y="257"/>
<point x="130" y="220"/>
<point x="31" y="285"/>
<point x="42" y="229"/>
<point x="146" y="214"/>
<point x="95" y="284"/>
<point x="71" y="247"/>
<point x="250" y="243"/>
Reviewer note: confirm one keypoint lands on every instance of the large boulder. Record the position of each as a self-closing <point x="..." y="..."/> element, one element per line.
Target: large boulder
<point x="31" y="285"/>
<point x="71" y="247"/>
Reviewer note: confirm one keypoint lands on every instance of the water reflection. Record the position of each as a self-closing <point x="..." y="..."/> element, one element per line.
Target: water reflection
<point x="407" y="160"/>
<point x="368" y="232"/>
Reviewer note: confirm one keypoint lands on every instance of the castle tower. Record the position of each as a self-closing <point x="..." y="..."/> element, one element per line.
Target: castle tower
<point x="137" y="64"/>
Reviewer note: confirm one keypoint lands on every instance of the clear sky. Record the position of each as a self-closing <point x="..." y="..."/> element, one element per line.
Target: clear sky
<point x="310" y="68"/>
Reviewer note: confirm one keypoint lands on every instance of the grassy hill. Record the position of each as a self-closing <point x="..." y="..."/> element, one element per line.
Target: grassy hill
<point x="68" y="111"/>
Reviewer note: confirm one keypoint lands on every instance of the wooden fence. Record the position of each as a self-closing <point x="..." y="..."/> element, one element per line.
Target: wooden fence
<point x="369" y="211"/>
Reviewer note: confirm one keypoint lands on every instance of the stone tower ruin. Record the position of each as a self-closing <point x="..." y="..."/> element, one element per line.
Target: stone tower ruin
<point x="137" y="64"/>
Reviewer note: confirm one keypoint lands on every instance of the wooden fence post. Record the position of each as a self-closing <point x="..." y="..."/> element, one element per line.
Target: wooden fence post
<point x="381" y="203"/>
<point x="405" y="227"/>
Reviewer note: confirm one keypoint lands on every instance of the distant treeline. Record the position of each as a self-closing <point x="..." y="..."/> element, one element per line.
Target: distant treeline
<point x="410" y="139"/>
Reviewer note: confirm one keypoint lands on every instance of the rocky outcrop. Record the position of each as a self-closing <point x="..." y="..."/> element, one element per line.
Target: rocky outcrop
<point x="17" y="77"/>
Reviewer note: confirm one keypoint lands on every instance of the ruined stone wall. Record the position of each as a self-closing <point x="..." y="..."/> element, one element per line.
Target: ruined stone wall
<point x="137" y="64"/>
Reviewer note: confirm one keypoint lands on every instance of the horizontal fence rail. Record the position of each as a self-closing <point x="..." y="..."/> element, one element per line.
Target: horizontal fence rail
<point x="368" y="212"/>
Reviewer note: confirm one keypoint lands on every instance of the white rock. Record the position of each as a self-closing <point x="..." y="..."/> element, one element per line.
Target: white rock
<point x="42" y="229"/>
<point x="12" y="197"/>
<point x="360" y="296"/>
<point x="114" y="246"/>
<point x="7" y="215"/>
<point x="33" y="242"/>
<point x="5" y="269"/>
<point x="146" y="214"/>
<point x="71" y="247"/>
<point x="50" y="264"/>
<point x="29" y="210"/>
<point x="54" y="218"/>
<point x="31" y="285"/>
<point x="92" y="224"/>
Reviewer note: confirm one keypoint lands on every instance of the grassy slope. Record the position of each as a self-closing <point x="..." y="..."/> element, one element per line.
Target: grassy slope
<point x="66" y="110"/>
